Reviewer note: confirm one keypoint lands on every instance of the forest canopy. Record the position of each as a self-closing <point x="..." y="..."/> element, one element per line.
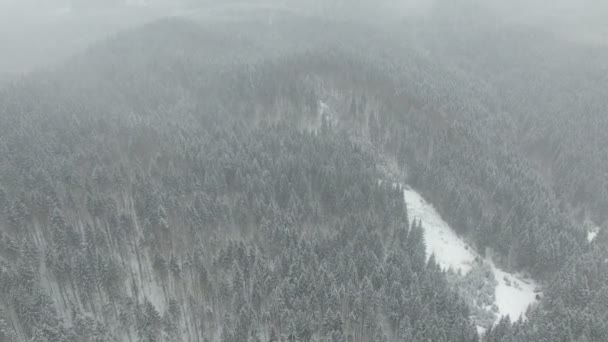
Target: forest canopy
<point x="242" y="180"/>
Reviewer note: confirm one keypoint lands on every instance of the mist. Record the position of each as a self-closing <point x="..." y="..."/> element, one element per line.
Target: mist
<point x="303" y="171"/>
<point x="35" y="33"/>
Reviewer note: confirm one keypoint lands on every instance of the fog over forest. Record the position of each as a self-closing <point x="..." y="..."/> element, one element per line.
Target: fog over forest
<point x="291" y="170"/>
<point x="37" y="33"/>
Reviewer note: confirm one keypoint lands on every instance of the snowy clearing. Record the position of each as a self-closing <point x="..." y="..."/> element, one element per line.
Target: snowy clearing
<point x="592" y="229"/>
<point x="450" y="251"/>
<point x="592" y="234"/>
<point x="513" y="293"/>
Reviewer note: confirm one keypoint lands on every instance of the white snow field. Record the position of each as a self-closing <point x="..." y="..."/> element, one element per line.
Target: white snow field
<point x="591" y="236"/>
<point x="592" y="229"/>
<point x="592" y="233"/>
<point x="450" y="251"/>
<point x="513" y="294"/>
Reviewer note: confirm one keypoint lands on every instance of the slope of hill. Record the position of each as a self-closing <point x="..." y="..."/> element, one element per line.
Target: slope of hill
<point x="218" y="180"/>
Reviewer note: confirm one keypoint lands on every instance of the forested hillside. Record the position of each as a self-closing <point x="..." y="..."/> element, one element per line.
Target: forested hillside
<point x="198" y="233"/>
<point x="139" y="211"/>
<point x="222" y="181"/>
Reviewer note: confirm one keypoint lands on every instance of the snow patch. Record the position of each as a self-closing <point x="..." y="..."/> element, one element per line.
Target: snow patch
<point x="591" y="236"/>
<point x="514" y="293"/>
<point x="592" y="230"/>
<point x="449" y="250"/>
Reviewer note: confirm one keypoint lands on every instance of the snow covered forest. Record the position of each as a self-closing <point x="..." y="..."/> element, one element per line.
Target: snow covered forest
<point x="259" y="173"/>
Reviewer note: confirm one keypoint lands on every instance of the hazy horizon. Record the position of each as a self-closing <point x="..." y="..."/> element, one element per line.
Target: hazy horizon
<point x="36" y="34"/>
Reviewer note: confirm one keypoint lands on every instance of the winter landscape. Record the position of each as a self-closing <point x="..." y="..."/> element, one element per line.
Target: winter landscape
<point x="303" y="171"/>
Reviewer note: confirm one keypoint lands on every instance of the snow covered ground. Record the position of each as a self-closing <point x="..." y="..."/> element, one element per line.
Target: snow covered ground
<point x="513" y="292"/>
<point x="592" y="229"/>
<point x="592" y="233"/>
<point x="450" y="251"/>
